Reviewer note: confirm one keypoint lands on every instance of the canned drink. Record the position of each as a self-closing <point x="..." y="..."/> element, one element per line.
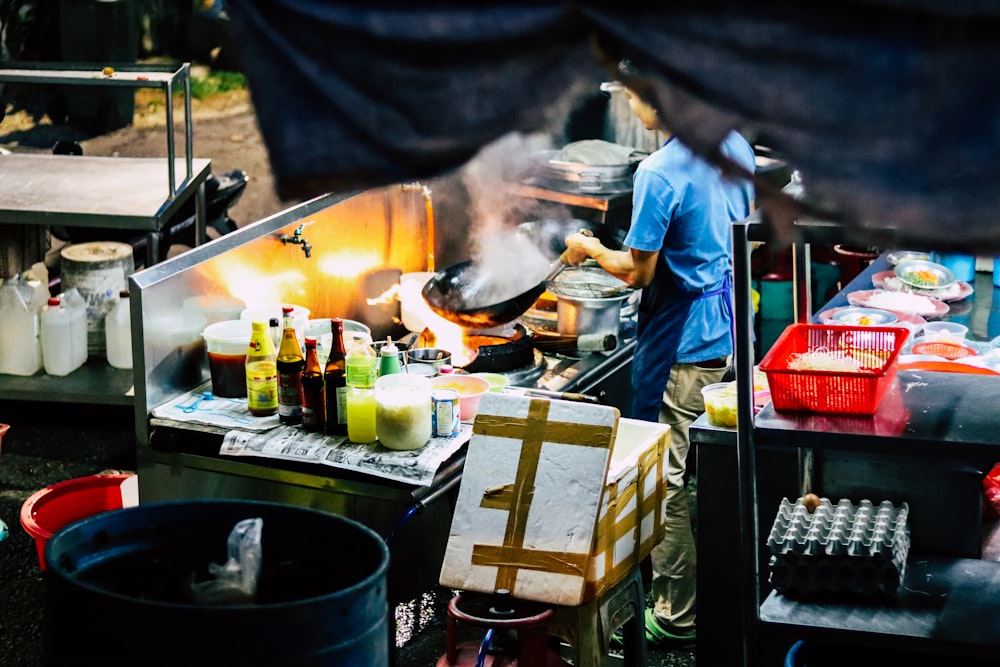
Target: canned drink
<point x="445" y="415"/>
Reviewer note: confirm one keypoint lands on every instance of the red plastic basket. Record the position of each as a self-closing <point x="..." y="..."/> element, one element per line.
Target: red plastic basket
<point x="839" y="392"/>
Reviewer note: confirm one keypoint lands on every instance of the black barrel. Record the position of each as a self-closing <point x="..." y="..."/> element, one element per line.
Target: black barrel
<point x="116" y="589"/>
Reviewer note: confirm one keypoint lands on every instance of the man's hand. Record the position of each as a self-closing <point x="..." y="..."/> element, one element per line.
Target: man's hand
<point x="581" y="246"/>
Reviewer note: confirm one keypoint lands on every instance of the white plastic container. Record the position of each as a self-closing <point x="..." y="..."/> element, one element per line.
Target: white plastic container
<point x="227" y="343"/>
<point x="73" y="301"/>
<point x="20" y="345"/>
<point x="403" y="411"/>
<point x="57" y="338"/>
<point x="118" y="332"/>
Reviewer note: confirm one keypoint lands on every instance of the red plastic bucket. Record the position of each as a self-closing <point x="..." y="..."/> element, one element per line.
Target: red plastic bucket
<point x="47" y="511"/>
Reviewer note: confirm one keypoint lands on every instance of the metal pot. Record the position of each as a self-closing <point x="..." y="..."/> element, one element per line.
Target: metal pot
<point x="588" y="301"/>
<point x="583" y="316"/>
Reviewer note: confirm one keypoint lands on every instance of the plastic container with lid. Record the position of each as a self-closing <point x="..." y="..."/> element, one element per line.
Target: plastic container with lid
<point x="57" y="339"/>
<point x="118" y="332"/>
<point x="403" y="411"/>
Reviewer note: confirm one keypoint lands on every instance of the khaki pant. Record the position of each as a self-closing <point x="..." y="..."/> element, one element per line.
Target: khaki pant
<point x="673" y="559"/>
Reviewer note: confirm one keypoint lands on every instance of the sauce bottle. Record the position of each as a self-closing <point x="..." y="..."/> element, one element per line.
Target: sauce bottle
<point x="361" y="392"/>
<point x="313" y="390"/>
<point x="335" y="378"/>
<point x="262" y="373"/>
<point x="389" y="359"/>
<point x="291" y="363"/>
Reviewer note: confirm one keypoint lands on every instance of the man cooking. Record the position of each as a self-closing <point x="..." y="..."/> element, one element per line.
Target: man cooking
<point x="678" y="250"/>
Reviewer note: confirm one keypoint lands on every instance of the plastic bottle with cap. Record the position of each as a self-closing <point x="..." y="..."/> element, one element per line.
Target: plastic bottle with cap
<point x="118" y="332"/>
<point x="262" y="373"/>
<point x="20" y="347"/>
<point x="57" y="343"/>
<point x="389" y="359"/>
<point x="73" y="301"/>
<point x="361" y="391"/>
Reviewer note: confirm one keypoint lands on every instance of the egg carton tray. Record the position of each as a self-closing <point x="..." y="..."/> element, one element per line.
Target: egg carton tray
<point x="839" y="547"/>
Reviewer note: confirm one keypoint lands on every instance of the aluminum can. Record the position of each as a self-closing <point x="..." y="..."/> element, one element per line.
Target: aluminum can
<point x="445" y="414"/>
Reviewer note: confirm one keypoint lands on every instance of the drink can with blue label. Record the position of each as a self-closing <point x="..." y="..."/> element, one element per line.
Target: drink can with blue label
<point x="445" y="415"/>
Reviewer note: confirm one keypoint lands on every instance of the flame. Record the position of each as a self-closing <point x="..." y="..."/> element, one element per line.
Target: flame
<point x="386" y="296"/>
<point x="348" y="265"/>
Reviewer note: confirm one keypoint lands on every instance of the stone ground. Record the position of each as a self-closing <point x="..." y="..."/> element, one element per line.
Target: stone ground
<point x="52" y="442"/>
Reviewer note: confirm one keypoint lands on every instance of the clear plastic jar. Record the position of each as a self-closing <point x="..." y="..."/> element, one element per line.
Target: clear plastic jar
<point x="403" y="411"/>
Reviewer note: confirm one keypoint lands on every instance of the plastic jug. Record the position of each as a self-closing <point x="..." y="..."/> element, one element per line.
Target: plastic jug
<point x="20" y="346"/>
<point x="73" y="301"/>
<point x="118" y="332"/>
<point x="57" y="338"/>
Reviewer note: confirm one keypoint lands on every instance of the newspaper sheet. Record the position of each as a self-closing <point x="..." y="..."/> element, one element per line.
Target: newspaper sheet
<point x="291" y="443"/>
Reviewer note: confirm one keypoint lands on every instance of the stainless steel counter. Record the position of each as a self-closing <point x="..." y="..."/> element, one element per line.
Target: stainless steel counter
<point x="928" y="444"/>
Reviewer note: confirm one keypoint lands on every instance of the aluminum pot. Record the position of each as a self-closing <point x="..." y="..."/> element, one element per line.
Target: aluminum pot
<point x="588" y="301"/>
<point x="581" y="316"/>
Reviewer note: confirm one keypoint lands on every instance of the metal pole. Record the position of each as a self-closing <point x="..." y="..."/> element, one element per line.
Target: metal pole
<point x="745" y="453"/>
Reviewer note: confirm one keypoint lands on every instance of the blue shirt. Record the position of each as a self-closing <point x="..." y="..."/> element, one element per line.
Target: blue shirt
<point x="683" y="207"/>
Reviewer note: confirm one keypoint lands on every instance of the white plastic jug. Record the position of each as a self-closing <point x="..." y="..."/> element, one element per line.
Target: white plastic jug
<point x="20" y="347"/>
<point x="74" y="302"/>
<point x="118" y="333"/>
<point x="57" y="338"/>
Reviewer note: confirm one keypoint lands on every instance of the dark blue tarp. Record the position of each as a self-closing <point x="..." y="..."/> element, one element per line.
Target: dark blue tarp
<point x="888" y="108"/>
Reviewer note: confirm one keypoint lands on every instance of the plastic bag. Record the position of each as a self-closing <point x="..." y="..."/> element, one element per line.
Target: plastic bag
<point x="234" y="582"/>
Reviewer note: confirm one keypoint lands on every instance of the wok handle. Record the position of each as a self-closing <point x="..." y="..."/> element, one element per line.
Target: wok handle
<point x="564" y="395"/>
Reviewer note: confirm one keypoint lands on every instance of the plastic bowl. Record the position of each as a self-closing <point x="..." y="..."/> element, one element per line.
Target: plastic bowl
<point x="947" y="331"/>
<point x="470" y="389"/>
<point x="720" y="403"/>
<point x="48" y="510"/>
<point x="498" y="381"/>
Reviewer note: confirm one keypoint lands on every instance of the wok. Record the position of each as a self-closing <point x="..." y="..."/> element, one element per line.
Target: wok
<point x="455" y="295"/>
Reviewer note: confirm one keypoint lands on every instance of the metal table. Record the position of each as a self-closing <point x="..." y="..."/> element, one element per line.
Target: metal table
<point x="107" y="192"/>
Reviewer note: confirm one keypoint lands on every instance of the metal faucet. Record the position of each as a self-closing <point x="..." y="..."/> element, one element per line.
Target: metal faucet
<point x="297" y="239"/>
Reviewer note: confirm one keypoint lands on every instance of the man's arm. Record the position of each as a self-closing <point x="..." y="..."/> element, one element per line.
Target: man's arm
<point x="635" y="267"/>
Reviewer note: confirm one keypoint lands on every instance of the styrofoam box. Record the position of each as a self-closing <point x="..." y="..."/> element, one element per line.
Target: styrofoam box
<point x="558" y="500"/>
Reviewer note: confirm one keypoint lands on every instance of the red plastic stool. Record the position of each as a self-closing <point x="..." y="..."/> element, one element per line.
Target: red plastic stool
<point x="500" y="611"/>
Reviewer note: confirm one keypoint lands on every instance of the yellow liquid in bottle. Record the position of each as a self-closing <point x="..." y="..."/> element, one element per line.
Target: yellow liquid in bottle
<point x="361" y="415"/>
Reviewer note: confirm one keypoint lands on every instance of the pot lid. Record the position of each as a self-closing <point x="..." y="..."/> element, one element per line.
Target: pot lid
<point x="588" y="282"/>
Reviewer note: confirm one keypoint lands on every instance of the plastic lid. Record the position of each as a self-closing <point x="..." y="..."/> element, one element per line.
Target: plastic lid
<point x="446" y="368"/>
<point x="287" y="309"/>
<point x="274" y="322"/>
<point x="53" y="301"/>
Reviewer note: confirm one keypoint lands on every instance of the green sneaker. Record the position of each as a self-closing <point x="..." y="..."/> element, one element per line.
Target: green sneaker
<point x="659" y="637"/>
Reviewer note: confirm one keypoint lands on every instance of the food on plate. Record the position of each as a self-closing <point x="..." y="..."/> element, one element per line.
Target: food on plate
<point x="921" y="278"/>
<point x="902" y="301"/>
<point x="923" y="274"/>
<point x="823" y="360"/>
<point x="864" y="317"/>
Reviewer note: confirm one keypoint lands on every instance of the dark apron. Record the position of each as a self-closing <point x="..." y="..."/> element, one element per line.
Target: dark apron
<point x="661" y="323"/>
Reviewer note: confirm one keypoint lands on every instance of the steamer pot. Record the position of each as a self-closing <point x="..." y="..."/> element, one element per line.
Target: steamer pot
<point x="588" y="301"/>
<point x="584" y="316"/>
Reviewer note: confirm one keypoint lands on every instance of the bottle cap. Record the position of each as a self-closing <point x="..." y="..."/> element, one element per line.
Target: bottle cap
<point x="53" y="301"/>
<point x="389" y="348"/>
<point x="310" y="340"/>
<point x="274" y="322"/>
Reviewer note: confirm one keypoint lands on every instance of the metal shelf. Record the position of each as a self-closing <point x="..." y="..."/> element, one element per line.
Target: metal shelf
<point x="107" y="192"/>
<point x="94" y="383"/>
<point x="941" y="607"/>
